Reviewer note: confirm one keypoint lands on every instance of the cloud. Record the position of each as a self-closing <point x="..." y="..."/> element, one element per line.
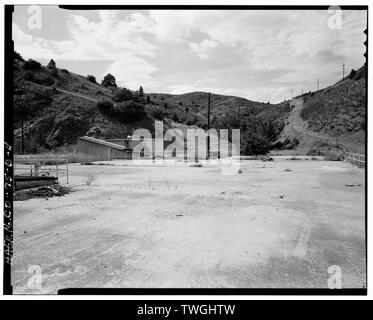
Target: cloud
<point x="269" y="52"/>
<point x="110" y="39"/>
<point x="203" y="48"/>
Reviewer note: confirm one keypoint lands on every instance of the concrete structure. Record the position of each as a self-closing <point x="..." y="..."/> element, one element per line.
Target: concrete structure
<point x="98" y="149"/>
<point x="103" y="150"/>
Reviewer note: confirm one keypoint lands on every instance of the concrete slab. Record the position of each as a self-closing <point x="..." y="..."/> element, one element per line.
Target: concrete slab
<point x="277" y="224"/>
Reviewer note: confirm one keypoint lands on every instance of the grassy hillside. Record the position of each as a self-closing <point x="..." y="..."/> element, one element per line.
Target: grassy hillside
<point x="57" y="106"/>
<point x="338" y="109"/>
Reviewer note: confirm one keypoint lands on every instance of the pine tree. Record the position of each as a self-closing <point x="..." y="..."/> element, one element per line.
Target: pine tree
<point x="109" y="81"/>
<point x="141" y="91"/>
<point x="51" y="64"/>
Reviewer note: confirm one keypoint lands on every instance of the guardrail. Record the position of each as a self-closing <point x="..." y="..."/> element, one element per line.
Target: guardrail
<point x="355" y="159"/>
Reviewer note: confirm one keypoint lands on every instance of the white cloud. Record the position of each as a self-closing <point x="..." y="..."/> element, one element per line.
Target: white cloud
<point x="292" y="47"/>
<point x="109" y="39"/>
<point x="203" y="48"/>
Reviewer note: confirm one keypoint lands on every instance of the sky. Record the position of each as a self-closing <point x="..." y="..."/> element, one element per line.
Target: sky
<point x="261" y="55"/>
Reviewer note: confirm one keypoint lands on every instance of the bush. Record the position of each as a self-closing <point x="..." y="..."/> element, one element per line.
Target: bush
<point x="157" y="114"/>
<point x="138" y="97"/>
<point x="29" y="76"/>
<point x="174" y="117"/>
<point x="122" y="95"/>
<point x="91" y="78"/>
<point x="65" y="71"/>
<point x="109" y="81"/>
<point x="31" y="65"/>
<point x="254" y="144"/>
<point x="51" y="64"/>
<point x="17" y="56"/>
<point x="141" y="92"/>
<point x="105" y="106"/>
<point x="129" y="111"/>
<point x="44" y="78"/>
<point x="315" y="152"/>
<point x="333" y="156"/>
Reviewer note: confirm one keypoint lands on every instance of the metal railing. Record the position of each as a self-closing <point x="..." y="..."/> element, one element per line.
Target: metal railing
<point x="355" y="159"/>
<point x="41" y="167"/>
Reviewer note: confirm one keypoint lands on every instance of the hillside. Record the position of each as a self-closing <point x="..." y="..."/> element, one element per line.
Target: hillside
<point x="334" y="116"/>
<point x="338" y="109"/>
<point x="57" y="106"/>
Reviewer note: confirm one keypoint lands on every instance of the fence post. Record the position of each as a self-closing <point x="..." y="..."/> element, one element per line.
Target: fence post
<point x="67" y="171"/>
<point x="57" y="168"/>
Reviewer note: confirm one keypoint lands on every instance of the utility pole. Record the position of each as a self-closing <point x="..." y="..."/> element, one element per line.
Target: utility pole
<point x="291" y="93"/>
<point x="343" y="70"/>
<point x="208" y="126"/>
<point x="22" y="142"/>
<point x="318" y="84"/>
<point x="238" y="113"/>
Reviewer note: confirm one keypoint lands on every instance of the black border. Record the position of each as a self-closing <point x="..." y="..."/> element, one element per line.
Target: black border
<point x="8" y="151"/>
<point x="8" y="155"/>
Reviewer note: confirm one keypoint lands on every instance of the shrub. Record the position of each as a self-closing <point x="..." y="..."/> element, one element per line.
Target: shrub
<point x="315" y="152"/>
<point x="44" y="78"/>
<point x="174" y="117"/>
<point x="105" y="106"/>
<point x="29" y="76"/>
<point x="65" y="71"/>
<point x="157" y="114"/>
<point x="31" y="65"/>
<point x="128" y="111"/>
<point x="17" y="56"/>
<point x="137" y="97"/>
<point x="51" y="64"/>
<point x="91" y="78"/>
<point x="122" y="95"/>
<point x="109" y="81"/>
<point x="333" y="156"/>
<point x="141" y="92"/>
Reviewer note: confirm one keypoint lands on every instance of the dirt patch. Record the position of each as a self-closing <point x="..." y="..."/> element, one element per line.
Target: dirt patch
<point x="42" y="192"/>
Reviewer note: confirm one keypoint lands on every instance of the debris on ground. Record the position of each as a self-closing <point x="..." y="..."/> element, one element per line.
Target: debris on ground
<point x="196" y="165"/>
<point x="42" y="192"/>
<point x="266" y="158"/>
